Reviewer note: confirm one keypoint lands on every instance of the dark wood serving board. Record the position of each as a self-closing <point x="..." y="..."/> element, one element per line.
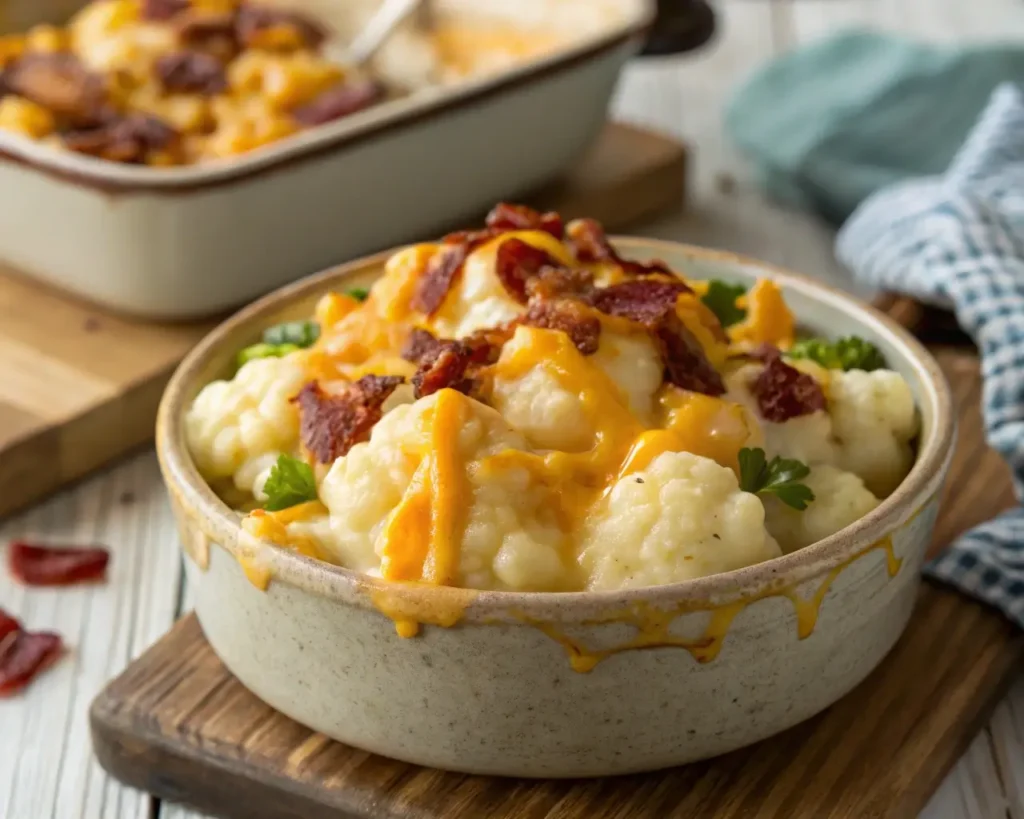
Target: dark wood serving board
<point x="176" y="723"/>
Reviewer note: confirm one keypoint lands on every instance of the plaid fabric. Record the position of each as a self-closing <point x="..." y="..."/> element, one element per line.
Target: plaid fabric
<point x="958" y="241"/>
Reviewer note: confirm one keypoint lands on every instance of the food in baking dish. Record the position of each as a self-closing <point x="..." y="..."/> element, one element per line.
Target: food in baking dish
<point x="520" y="408"/>
<point x="172" y="82"/>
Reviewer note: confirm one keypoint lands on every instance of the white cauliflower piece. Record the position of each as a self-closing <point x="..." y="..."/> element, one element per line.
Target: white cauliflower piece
<point x="808" y="438"/>
<point x="551" y="416"/>
<point x="236" y="429"/>
<point x="683" y="517"/>
<point x="840" y="498"/>
<point x="511" y="538"/>
<point x="873" y="420"/>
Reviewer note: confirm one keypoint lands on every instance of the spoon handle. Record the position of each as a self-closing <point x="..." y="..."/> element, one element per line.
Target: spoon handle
<point x="389" y="16"/>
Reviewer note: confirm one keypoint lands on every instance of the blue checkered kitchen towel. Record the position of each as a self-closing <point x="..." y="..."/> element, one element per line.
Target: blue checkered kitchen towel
<point x="958" y="241"/>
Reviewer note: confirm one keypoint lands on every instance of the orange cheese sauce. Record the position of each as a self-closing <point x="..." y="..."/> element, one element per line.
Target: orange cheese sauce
<point x="472" y="47"/>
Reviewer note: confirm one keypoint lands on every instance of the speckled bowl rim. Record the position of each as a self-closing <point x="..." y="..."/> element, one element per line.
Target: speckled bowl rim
<point x="221" y="524"/>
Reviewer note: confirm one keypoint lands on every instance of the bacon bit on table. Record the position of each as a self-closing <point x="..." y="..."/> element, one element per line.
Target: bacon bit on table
<point x="191" y="72"/>
<point x="506" y="217"/>
<point x="8" y="625"/>
<point x="517" y="262"/>
<point x="331" y="424"/>
<point x="38" y="565"/>
<point x="24" y="655"/>
<point x="338" y="102"/>
<point x="572" y="317"/>
<point x="783" y="392"/>
<point x="590" y="244"/>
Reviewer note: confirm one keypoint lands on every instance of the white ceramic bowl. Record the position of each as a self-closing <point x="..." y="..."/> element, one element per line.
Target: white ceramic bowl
<point x="185" y="242"/>
<point x="559" y="685"/>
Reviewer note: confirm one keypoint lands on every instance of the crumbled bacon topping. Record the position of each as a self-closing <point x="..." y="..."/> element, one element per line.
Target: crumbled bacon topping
<point x="255" y="26"/>
<point x="651" y="302"/>
<point x="191" y="72"/>
<point x="126" y="139"/>
<point x="162" y="9"/>
<point x="504" y="217"/>
<point x="590" y="244"/>
<point x="338" y="102"/>
<point x="331" y="424"/>
<point x="212" y="32"/>
<point x="783" y="392"/>
<point x="37" y="565"/>
<point x="447" y="363"/>
<point x="24" y="655"/>
<point x="517" y="262"/>
<point x="572" y="317"/>
<point x="62" y="84"/>
<point x="437" y="279"/>
<point x="560" y="282"/>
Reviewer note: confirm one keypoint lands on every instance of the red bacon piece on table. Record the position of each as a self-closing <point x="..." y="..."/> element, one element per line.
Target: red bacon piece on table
<point x="8" y="625"/>
<point x="447" y="363"/>
<point x="331" y="424"/>
<point x="783" y="392"/>
<point x="571" y="317"/>
<point x="651" y="302"/>
<point x="24" y="655"/>
<point x="590" y="244"/>
<point x="37" y="565"/>
<point x="504" y="217"/>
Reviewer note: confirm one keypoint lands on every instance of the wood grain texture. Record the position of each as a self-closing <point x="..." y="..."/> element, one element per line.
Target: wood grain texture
<point x="80" y="386"/>
<point x="178" y="724"/>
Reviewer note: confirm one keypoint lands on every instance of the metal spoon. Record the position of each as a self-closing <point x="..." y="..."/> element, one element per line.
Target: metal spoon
<point x="387" y="18"/>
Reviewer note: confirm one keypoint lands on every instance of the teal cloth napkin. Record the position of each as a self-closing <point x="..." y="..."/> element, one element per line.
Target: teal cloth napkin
<point x="829" y="124"/>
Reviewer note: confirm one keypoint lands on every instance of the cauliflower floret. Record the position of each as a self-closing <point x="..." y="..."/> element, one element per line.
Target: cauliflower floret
<point x="511" y="538"/>
<point x="840" y="498"/>
<point x="873" y="420"/>
<point x="551" y="416"/>
<point x="236" y="429"/>
<point x="683" y="517"/>
<point x="807" y="438"/>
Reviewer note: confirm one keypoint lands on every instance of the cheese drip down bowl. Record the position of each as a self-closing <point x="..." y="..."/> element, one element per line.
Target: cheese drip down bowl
<point x="560" y="684"/>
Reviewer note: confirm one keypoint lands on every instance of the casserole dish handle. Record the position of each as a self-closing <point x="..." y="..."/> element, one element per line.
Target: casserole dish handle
<point x="679" y="26"/>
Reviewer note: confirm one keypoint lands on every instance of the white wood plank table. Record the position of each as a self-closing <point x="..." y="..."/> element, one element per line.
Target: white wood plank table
<point x="46" y="765"/>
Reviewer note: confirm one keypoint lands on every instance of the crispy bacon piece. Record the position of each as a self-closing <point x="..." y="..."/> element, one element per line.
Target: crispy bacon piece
<point x="783" y="392"/>
<point x="127" y="139"/>
<point x="162" y="9"/>
<point x="338" y="102"/>
<point x="559" y="282"/>
<point x="437" y="279"/>
<point x="8" y="625"/>
<point x="572" y="317"/>
<point x="448" y="363"/>
<point x="504" y="217"/>
<point x="517" y="262"/>
<point x="590" y="244"/>
<point x="24" y="655"/>
<point x="62" y="84"/>
<point x="264" y="27"/>
<point x="191" y="72"/>
<point x="651" y="302"/>
<point x="37" y="565"/>
<point x="332" y="424"/>
<point x="211" y="32"/>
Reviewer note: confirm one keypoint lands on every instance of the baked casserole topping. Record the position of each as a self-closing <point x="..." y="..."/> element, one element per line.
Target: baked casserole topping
<point x="521" y="408"/>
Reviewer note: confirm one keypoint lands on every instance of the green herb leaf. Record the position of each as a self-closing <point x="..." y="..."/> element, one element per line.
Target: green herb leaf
<point x="264" y="351"/>
<point x="290" y="483"/>
<point x="779" y="476"/>
<point x="721" y="299"/>
<point x="300" y="333"/>
<point x="850" y="353"/>
<point x="358" y="293"/>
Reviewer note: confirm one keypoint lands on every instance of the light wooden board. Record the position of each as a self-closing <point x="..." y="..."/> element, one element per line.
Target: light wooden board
<point x="79" y="386"/>
<point x="176" y="723"/>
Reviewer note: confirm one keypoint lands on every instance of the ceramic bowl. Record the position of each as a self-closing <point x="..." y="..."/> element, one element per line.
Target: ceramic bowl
<point x="561" y="685"/>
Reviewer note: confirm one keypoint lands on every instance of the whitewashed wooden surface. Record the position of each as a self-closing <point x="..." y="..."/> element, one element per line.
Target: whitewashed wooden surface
<point x="46" y="767"/>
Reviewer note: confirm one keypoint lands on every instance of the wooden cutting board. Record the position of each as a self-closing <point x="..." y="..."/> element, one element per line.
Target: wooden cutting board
<point x="79" y="385"/>
<point x="177" y="724"/>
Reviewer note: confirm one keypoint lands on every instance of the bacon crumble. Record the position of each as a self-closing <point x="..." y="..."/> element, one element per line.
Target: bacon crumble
<point x="37" y="565"/>
<point x="62" y="84"/>
<point x="783" y="392"/>
<point x="517" y="262"/>
<point x="447" y="363"/>
<point x="162" y="9"/>
<point x="254" y="26"/>
<point x="571" y="317"/>
<point x="127" y="139"/>
<point x="438" y="277"/>
<point x="191" y="72"/>
<point x="331" y="424"/>
<point x="505" y="217"/>
<point x="590" y="244"/>
<point x="339" y="101"/>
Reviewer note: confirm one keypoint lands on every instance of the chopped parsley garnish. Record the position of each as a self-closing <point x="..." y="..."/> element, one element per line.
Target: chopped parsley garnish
<point x="262" y="350"/>
<point x="850" y="353"/>
<point x="721" y="297"/>
<point x="290" y="483"/>
<point x="300" y="333"/>
<point x="779" y="476"/>
<point x="358" y="293"/>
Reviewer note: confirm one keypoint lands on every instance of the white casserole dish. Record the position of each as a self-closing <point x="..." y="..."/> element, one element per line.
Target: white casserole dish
<point x="192" y="241"/>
